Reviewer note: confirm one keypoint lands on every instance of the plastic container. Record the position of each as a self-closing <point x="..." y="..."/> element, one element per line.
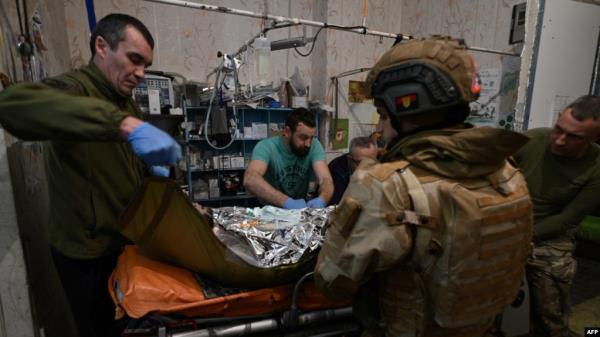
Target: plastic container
<point x="262" y="55"/>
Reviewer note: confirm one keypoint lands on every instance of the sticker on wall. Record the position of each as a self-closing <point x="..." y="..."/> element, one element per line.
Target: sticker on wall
<point x="484" y="111"/>
<point x="340" y="138"/>
<point x="357" y="92"/>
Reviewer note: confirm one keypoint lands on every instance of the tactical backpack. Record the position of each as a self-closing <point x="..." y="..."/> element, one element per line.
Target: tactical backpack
<point x="472" y="240"/>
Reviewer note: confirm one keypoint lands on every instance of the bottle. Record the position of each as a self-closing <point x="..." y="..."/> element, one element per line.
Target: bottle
<point x="262" y="54"/>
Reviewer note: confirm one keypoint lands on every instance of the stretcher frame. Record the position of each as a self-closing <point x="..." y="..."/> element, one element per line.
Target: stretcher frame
<point x="295" y="312"/>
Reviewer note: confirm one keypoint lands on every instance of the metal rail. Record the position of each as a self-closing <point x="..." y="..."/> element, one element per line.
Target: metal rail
<point x="298" y="21"/>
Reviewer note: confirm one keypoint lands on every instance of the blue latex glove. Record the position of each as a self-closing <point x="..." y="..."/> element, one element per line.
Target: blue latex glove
<point x="159" y="171"/>
<point x="154" y="146"/>
<point x="294" y="203"/>
<point x="317" y="202"/>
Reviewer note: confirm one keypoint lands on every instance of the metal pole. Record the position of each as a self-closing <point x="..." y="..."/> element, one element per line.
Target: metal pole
<point x="277" y="18"/>
<point x="299" y="21"/>
<point x="493" y="51"/>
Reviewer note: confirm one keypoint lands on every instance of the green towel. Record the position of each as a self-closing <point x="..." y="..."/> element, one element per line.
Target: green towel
<point x="589" y="229"/>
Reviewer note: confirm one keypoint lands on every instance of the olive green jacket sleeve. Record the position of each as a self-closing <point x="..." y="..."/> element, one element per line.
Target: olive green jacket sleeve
<point x="585" y="202"/>
<point x="360" y="241"/>
<point x="563" y="191"/>
<point x="35" y="111"/>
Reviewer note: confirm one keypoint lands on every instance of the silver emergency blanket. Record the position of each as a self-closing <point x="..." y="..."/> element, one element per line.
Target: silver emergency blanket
<point x="269" y="236"/>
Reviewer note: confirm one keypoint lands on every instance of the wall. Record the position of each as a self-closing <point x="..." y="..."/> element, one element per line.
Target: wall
<point x="187" y="39"/>
<point x="556" y="81"/>
<point x="15" y="313"/>
<point x="481" y="23"/>
<point x="53" y="60"/>
<point x="32" y="302"/>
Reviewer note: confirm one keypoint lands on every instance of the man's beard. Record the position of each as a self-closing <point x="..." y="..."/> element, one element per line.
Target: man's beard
<point x="300" y="151"/>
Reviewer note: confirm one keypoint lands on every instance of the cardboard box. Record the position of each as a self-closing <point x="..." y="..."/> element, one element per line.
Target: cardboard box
<point x="299" y="102"/>
<point x="259" y="130"/>
<point x="237" y="162"/>
<point x="213" y="188"/>
<point x="225" y="162"/>
<point x="248" y="132"/>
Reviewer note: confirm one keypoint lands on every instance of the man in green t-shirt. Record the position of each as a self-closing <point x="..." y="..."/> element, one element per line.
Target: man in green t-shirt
<point x="562" y="168"/>
<point x="96" y="152"/>
<point x="282" y="166"/>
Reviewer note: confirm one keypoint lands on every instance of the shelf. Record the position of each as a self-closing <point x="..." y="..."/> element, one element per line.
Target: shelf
<point x="242" y="107"/>
<point x="239" y="147"/>
<point x="236" y="139"/>
<point x="229" y="197"/>
<point x="162" y="117"/>
<point x="217" y="170"/>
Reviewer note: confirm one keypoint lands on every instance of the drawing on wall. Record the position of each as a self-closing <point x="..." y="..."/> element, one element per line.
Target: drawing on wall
<point x="340" y="139"/>
<point x="357" y="92"/>
<point x="508" y="99"/>
<point x="484" y="111"/>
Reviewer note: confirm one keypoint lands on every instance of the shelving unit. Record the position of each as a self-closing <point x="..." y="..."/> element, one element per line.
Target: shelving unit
<point x="206" y="164"/>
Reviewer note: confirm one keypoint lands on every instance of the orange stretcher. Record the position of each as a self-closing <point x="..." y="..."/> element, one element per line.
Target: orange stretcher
<point x="142" y="287"/>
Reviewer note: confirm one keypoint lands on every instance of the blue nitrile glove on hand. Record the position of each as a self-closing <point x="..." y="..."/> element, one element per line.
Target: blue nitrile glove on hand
<point x="159" y="171"/>
<point x="154" y="146"/>
<point x="317" y="202"/>
<point x="294" y="203"/>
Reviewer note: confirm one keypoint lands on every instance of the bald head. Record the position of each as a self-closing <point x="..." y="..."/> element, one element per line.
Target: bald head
<point x="363" y="147"/>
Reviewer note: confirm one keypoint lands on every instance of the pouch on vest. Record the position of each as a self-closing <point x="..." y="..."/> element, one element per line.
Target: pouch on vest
<point x="472" y="249"/>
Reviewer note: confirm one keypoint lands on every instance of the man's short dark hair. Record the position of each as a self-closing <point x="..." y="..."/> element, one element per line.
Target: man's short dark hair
<point x="112" y="29"/>
<point x="585" y="107"/>
<point x="300" y="115"/>
<point x="361" y="142"/>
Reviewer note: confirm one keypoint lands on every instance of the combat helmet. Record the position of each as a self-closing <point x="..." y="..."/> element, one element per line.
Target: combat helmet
<point x="421" y="76"/>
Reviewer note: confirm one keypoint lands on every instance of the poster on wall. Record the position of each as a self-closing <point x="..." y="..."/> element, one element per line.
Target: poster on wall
<point x="340" y="139"/>
<point x="484" y="111"/>
<point x="357" y="92"/>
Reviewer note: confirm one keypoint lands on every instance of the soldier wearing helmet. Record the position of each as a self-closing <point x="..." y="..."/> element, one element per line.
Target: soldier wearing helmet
<point x="394" y="239"/>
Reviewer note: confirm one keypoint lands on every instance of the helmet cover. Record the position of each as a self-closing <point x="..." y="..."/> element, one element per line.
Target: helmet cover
<point x="420" y="76"/>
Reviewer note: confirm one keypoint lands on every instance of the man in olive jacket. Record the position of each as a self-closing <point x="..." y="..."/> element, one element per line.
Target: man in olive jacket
<point x="562" y="167"/>
<point x="96" y="152"/>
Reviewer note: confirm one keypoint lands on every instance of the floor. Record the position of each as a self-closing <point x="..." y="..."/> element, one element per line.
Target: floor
<point x="585" y="294"/>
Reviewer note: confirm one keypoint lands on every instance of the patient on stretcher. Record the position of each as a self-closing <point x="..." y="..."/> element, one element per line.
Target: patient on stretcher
<point x="249" y="248"/>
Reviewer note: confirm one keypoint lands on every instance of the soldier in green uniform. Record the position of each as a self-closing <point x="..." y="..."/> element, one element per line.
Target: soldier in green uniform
<point x="562" y="167"/>
<point x="426" y="231"/>
<point x="96" y="152"/>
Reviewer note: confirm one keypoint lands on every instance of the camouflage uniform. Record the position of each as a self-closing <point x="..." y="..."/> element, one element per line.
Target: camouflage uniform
<point x="440" y="243"/>
<point x="363" y="244"/>
<point x="550" y="273"/>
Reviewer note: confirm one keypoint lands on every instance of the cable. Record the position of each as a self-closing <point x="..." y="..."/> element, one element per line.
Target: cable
<point x="312" y="46"/>
<point x="328" y="26"/>
<point x="217" y="88"/>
